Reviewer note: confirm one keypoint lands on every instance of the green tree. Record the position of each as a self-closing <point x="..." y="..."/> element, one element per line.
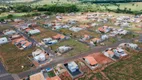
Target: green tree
<point x="10" y="16"/>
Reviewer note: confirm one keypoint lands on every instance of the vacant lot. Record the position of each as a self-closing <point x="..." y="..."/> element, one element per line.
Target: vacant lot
<point x="80" y="33"/>
<point x="44" y="34"/>
<point x="13" y="58"/>
<point x="126" y="70"/>
<point x="78" y="47"/>
<point x="3" y="28"/>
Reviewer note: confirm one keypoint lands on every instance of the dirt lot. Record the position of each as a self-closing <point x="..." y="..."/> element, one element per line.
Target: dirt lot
<point x="101" y="59"/>
<point x="13" y="58"/>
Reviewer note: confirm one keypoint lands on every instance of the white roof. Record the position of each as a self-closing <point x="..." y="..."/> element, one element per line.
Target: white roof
<point x="38" y="55"/>
<point x="34" y="31"/>
<point x="9" y="32"/>
<point x="47" y="39"/>
<point x="3" y="40"/>
<point x="72" y="64"/>
<point x="75" y="29"/>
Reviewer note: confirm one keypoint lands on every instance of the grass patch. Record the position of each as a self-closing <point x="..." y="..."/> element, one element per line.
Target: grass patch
<point x="51" y="74"/>
<point x="4" y="28"/>
<point x="78" y="47"/>
<point x="13" y="58"/>
<point x="79" y="34"/>
<point x="126" y="70"/>
<point x="44" y="34"/>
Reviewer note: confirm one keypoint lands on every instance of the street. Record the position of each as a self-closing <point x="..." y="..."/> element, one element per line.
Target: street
<point x="64" y="60"/>
<point x="3" y="73"/>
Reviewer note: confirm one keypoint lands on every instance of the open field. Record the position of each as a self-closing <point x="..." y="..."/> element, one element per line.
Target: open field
<point x="129" y="69"/>
<point x="3" y="28"/>
<point x="78" y="47"/>
<point x="13" y="58"/>
<point x="42" y="2"/>
<point x="136" y="7"/>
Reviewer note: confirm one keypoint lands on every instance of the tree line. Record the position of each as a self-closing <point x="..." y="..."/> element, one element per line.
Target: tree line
<point x="109" y="1"/>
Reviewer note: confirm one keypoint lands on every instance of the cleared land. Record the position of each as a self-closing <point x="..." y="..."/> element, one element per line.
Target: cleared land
<point x="126" y="70"/>
<point x="13" y="58"/>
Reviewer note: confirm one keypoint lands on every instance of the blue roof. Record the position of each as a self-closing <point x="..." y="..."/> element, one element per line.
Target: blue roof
<point x="48" y="69"/>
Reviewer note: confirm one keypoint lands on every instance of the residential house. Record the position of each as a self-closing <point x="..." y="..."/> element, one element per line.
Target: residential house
<point x="109" y="53"/>
<point x="59" y="37"/>
<point x="122" y="32"/>
<point x="39" y="55"/>
<point x="115" y="53"/>
<point x="119" y="52"/>
<point x="53" y="42"/>
<point x="75" y="29"/>
<point x="21" y="42"/>
<point x="104" y="29"/>
<point x="57" y="27"/>
<point x="124" y="24"/>
<point x="18" y="20"/>
<point x="132" y="45"/>
<point x="18" y="40"/>
<point x="32" y="31"/>
<point x="129" y="45"/>
<point x="95" y="41"/>
<point x="85" y="37"/>
<point x="24" y="44"/>
<point x="73" y="69"/>
<point x="66" y="26"/>
<point x="91" y="62"/>
<point x="94" y="24"/>
<point x="63" y="49"/>
<point x="72" y="66"/>
<point x="104" y="37"/>
<point x="46" y="40"/>
<point x="72" y="22"/>
<point x="15" y="36"/>
<point x="9" y="32"/>
<point x="3" y="40"/>
<point x="59" y="17"/>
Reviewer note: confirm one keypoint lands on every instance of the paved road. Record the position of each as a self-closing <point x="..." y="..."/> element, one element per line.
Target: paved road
<point x="63" y="59"/>
<point x="3" y="73"/>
